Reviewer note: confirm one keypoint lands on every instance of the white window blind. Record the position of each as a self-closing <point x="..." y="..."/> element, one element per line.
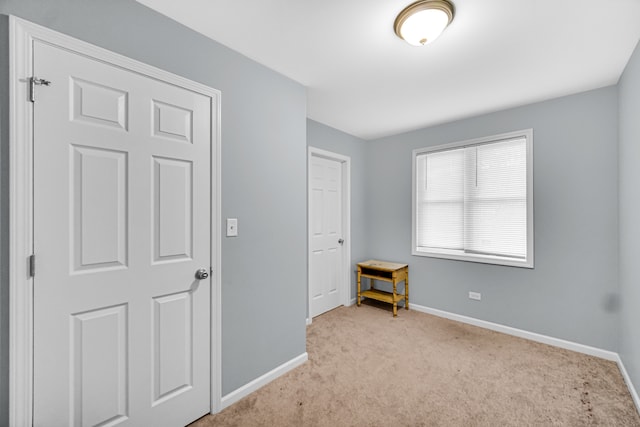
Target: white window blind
<point x="473" y="202"/>
<point x="441" y="200"/>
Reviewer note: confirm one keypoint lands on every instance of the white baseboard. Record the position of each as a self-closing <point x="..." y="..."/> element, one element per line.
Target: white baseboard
<point x="245" y="390"/>
<point x="627" y="380"/>
<point x="309" y="321"/>
<point x="556" y="342"/>
<point x="353" y="301"/>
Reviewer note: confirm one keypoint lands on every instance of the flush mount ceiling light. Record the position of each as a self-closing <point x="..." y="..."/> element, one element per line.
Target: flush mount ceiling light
<point x="422" y="22"/>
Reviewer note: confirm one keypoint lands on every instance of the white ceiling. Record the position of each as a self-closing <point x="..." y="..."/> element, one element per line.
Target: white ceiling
<point x="362" y="79"/>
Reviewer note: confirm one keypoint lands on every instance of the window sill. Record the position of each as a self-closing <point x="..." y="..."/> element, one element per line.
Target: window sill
<point x="484" y="259"/>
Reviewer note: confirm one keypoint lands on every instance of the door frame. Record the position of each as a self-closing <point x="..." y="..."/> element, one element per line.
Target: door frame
<point x="345" y="282"/>
<point x="23" y="34"/>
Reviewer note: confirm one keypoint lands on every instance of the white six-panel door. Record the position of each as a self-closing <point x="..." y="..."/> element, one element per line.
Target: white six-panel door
<point x="122" y="221"/>
<point x="325" y="223"/>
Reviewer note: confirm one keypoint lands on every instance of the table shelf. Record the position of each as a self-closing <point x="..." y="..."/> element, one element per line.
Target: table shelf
<point x="383" y="296"/>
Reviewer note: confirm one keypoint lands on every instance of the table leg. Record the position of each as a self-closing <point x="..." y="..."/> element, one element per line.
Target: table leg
<point x="395" y="300"/>
<point x="406" y="291"/>
<point x="359" y="297"/>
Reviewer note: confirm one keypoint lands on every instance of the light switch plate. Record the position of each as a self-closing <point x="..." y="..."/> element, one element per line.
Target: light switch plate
<point x="232" y="227"/>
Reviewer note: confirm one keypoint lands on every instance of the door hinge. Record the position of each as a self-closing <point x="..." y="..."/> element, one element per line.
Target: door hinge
<point x="33" y="82"/>
<point x="32" y="265"/>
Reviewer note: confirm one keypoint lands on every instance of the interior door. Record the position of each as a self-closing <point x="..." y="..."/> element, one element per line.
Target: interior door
<point x="325" y="222"/>
<point x="122" y="200"/>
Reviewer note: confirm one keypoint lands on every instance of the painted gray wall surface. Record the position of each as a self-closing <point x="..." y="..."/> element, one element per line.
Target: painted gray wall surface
<point x="330" y="139"/>
<point x="569" y="294"/>
<point x="264" y="270"/>
<point x="629" y="194"/>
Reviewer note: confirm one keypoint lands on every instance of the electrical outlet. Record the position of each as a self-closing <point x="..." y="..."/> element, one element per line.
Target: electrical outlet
<point x="475" y="295"/>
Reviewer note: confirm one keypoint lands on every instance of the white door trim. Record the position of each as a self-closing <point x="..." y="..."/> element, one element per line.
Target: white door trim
<point x="23" y="34"/>
<point x="345" y="285"/>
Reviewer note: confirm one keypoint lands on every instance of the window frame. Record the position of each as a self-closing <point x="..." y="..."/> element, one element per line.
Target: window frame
<point x="460" y="255"/>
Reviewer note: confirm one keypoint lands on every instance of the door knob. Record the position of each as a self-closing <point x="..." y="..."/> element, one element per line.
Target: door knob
<point x="341" y="241"/>
<point x="202" y="274"/>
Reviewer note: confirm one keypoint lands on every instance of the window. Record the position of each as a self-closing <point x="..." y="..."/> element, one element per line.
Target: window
<point x="473" y="200"/>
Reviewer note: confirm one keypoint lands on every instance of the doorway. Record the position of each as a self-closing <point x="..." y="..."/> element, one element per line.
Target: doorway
<point x="116" y="207"/>
<point x="329" y="239"/>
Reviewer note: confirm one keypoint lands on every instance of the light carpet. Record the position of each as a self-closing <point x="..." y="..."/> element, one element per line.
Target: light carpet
<point x="367" y="368"/>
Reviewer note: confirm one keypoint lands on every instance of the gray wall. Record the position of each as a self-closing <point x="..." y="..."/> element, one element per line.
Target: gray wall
<point x="629" y="194"/>
<point x="571" y="293"/>
<point x="264" y="270"/>
<point x="330" y="139"/>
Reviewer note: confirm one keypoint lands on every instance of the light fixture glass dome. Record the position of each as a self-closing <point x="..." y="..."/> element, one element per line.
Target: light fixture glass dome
<point x="423" y="21"/>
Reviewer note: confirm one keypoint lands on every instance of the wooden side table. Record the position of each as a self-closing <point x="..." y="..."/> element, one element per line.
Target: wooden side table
<point x="388" y="272"/>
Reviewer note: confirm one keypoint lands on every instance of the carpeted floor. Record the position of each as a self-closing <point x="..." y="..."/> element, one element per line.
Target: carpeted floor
<point x="366" y="368"/>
